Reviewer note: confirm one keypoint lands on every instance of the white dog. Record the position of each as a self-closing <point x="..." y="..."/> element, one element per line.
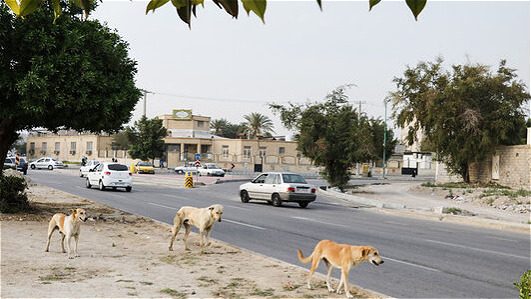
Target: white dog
<point x="68" y="226"/>
<point x="204" y="219"/>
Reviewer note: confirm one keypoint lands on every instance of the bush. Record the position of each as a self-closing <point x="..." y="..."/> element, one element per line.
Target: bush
<point x="524" y="285"/>
<point x="13" y="197"/>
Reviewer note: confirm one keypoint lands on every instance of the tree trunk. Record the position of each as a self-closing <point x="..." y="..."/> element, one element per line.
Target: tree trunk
<point x="8" y="136"/>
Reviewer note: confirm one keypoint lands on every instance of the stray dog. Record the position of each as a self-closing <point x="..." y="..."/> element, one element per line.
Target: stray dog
<point x="204" y="219"/>
<point x="340" y="256"/>
<point x="68" y="226"/>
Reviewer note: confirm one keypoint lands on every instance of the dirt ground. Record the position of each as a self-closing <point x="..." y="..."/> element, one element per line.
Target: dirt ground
<point x="122" y="255"/>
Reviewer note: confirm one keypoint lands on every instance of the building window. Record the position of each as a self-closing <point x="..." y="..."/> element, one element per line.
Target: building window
<point x="57" y="148"/>
<point x="281" y="150"/>
<point x="225" y="151"/>
<point x="89" y="148"/>
<point x="263" y="151"/>
<point x="72" y="148"/>
<point x="32" y="148"/>
<point x="44" y="148"/>
<point x="200" y="123"/>
<point x="247" y="152"/>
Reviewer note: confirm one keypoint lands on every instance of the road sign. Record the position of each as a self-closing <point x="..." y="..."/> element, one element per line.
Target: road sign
<point x="17" y="159"/>
<point x="198" y="156"/>
<point x="197" y="163"/>
<point x="232" y="166"/>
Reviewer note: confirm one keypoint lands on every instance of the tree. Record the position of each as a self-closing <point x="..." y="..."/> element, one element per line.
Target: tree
<point x="464" y="113"/>
<point x="120" y="141"/>
<point x="185" y="8"/>
<point x="146" y="138"/>
<point x="218" y="125"/>
<point x="257" y="124"/>
<point x="70" y="75"/>
<point x="332" y="134"/>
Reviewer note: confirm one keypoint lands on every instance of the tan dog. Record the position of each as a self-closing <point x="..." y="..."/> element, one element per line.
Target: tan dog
<point x="68" y="226"/>
<point x="204" y="219"/>
<point x="340" y="256"/>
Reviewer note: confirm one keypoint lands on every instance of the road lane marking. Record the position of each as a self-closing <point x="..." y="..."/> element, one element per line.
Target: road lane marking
<point x="396" y="223"/>
<point x="502" y="239"/>
<point x="239" y="208"/>
<point x="175" y="196"/>
<point x="244" y="224"/>
<point x="411" y="264"/>
<point x="317" y="221"/>
<point x="162" y="206"/>
<point x="479" y="249"/>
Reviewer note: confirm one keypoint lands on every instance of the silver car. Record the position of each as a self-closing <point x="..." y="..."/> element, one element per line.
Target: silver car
<point x="46" y="162"/>
<point x="279" y="187"/>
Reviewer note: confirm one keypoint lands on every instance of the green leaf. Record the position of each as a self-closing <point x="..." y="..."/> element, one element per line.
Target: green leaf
<point x="185" y="13"/>
<point x="13" y="4"/>
<point x="372" y="3"/>
<point x="28" y="6"/>
<point x="154" y="4"/>
<point x="180" y="3"/>
<point x="416" y="6"/>
<point x="320" y="4"/>
<point x="230" y="6"/>
<point x="56" y="10"/>
<point x="256" y="6"/>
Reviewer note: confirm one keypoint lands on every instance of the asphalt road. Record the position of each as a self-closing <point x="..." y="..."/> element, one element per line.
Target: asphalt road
<point x="423" y="259"/>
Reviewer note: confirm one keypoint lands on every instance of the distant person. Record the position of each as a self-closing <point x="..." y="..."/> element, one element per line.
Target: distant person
<point x="414" y="173"/>
<point x="83" y="161"/>
<point x="161" y="163"/>
<point x="113" y="160"/>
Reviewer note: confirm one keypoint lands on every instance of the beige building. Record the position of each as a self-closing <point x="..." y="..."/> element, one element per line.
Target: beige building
<point x="188" y="135"/>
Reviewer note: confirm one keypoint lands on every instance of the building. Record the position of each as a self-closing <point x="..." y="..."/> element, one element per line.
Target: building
<point x="188" y="135"/>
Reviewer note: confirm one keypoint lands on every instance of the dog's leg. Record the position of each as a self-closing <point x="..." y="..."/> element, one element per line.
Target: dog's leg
<point x="340" y="284"/>
<point x="68" y="238"/>
<point x="187" y="228"/>
<point x="330" y="268"/>
<point x="63" y="242"/>
<point x="344" y="278"/>
<point x="176" y="227"/>
<point x="76" y="238"/>
<point x="315" y="264"/>
<point x="207" y="234"/>
<point x="51" y="229"/>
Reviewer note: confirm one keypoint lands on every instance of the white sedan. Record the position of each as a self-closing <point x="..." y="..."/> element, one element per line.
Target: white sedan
<point x="110" y="175"/>
<point x="279" y="187"/>
<point x="210" y="169"/>
<point x="46" y="162"/>
<point x="84" y="170"/>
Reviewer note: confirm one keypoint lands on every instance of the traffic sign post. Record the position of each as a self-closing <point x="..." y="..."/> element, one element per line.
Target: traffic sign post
<point x="189" y="180"/>
<point x="17" y="159"/>
<point x="197" y="164"/>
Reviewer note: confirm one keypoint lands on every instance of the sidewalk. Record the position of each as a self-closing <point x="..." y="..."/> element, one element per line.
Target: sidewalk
<point x="398" y="199"/>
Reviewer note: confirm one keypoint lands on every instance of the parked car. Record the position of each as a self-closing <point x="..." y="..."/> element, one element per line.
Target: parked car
<point x="210" y="169"/>
<point x="84" y="170"/>
<point x="144" y="167"/>
<point x="278" y="187"/>
<point x="46" y="162"/>
<point x="108" y="174"/>
<point x="22" y="166"/>
<point x="188" y="166"/>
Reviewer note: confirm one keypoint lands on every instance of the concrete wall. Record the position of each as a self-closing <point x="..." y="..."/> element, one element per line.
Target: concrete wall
<point x="508" y="166"/>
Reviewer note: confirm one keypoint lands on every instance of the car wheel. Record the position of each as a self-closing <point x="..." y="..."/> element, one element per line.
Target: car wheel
<point x="102" y="187"/>
<point x="275" y="199"/>
<point x="128" y="189"/>
<point x="179" y="171"/>
<point x="303" y="204"/>
<point x="25" y="171"/>
<point x="244" y="196"/>
<point x="50" y="167"/>
<point x="113" y="188"/>
<point x="32" y="166"/>
<point x="88" y="185"/>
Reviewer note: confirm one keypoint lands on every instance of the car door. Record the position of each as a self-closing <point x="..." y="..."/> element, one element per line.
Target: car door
<point x="94" y="175"/>
<point x="256" y="185"/>
<point x="42" y="163"/>
<point x="269" y="186"/>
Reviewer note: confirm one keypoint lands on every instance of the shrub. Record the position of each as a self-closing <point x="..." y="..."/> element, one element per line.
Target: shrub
<point x="524" y="285"/>
<point x="13" y="197"/>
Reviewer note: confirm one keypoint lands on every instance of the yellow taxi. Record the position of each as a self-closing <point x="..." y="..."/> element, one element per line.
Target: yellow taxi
<point x="144" y="167"/>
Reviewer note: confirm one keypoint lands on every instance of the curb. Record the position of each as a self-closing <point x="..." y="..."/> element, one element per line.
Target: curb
<point x="362" y="200"/>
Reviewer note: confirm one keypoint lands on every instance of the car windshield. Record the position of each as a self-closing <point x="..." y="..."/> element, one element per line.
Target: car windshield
<point x="212" y="167"/>
<point x="118" y="167"/>
<point x="22" y="160"/>
<point x="144" y="164"/>
<point x="293" y="178"/>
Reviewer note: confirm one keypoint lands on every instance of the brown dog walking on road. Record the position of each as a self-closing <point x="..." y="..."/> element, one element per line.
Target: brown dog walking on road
<point x="68" y="226"/>
<point x="340" y="256"/>
<point x="204" y="219"/>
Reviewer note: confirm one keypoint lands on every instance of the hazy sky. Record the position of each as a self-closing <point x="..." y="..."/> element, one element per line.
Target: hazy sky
<point x="226" y="68"/>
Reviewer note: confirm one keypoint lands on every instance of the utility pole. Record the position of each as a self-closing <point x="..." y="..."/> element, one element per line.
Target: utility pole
<point x="145" y="99"/>
<point x="385" y="136"/>
<point x="359" y="119"/>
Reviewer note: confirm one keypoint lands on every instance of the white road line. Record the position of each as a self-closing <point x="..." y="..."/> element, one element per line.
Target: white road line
<point x="396" y="223"/>
<point x="479" y="249"/>
<point x="175" y="196"/>
<point x="162" y="206"/>
<point x="501" y="239"/>
<point x="244" y="224"/>
<point x="239" y="208"/>
<point x="317" y="221"/>
<point x="410" y="264"/>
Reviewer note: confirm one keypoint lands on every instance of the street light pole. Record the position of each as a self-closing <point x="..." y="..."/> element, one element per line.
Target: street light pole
<point x="145" y="100"/>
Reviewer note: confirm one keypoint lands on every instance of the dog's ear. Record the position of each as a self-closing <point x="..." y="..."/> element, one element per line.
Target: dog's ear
<point x="364" y="252"/>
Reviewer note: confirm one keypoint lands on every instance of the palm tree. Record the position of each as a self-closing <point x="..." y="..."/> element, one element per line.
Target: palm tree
<point x="257" y="124"/>
<point x="218" y="126"/>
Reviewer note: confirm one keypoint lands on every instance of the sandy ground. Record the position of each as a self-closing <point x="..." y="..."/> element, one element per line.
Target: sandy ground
<point x="122" y="255"/>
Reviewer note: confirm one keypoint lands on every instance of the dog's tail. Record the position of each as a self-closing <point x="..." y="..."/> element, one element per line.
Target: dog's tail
<point x="304" y="259"/>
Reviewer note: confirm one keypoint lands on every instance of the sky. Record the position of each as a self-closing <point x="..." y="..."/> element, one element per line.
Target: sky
<point x="226" y="68"/>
